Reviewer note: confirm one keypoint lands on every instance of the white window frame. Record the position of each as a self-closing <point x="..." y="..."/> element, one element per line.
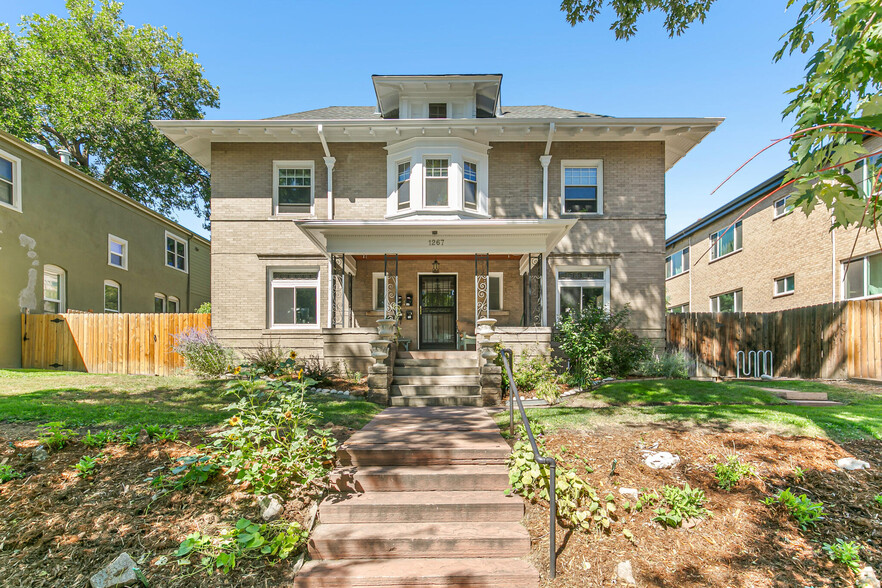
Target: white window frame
<point x="866" y="176"/>
<point x="160" y="296"/>
<point x="179" y="239"/>
<point x="62" y="286"/>
<point x="475" y="182"/>
<point x="738" y="301"/>
<point x="409" y="182"/>
<point x="499" y="276"/>
<point x="294" y="164"/>
<point x="16" y="181"/>
<point x="864" y="262"/>
<point x="425" y="178"/>
<point x="604" y="283"/>
<point x="686" y="265"/>
<point x="788" y="208"/>
<point x="113" y="239"/>
<point x="112" y="284"/>
<point x="572" y="163"/>
<point x="177" y="302"/>
<point x="739" y="241"/>
<point x="684" y="308"/>
<point x="778" y="293"/>
<point x="291" y="283"/>
<point x="375" y="287"/>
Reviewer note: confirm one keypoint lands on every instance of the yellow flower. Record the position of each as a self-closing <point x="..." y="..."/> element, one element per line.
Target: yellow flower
<point x="300" y="374"/>
<point x="293" y="355"/>
<point x="234" y="421"/>
<point x="237" y="370"/>
<point x="288" y="414"/>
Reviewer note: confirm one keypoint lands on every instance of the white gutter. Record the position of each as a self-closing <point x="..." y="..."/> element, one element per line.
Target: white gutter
<point x="329" y="162"/>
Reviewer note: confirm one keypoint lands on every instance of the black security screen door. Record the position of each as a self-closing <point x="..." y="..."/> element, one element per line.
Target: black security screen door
<point x="437" y="312"/>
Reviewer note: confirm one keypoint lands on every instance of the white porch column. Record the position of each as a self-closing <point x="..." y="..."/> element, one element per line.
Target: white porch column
<point x="544" y="160"/>
<point x="544" y="283"/>
<point x="330" y="161"/>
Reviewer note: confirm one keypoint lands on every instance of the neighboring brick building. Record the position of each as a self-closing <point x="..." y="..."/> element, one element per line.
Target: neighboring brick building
<point x="441" y="195"/>
<point x="774" y="259"/>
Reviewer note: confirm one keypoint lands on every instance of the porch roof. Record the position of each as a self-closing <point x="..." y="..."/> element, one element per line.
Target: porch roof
<point x="436" y="237"/>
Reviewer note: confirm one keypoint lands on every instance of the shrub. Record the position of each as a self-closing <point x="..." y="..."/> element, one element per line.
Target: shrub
<point x="86" y="466"/>
<point x="730" y="472"/>
<point x="7" y="473"/>
<point x="315" y="369"/>
<point x="55" y="435"/>
<point x="675" y="505"/>
<point x="626" y="352"/>
<point x="203" y="353"/>
<point x="204" y="308"/>
<point x="802" y="509"/>
<point x="666" y="365"/>
<point x="846" y="552"/>
<point x="100" y="439"/>
<point x="268" y="357"/>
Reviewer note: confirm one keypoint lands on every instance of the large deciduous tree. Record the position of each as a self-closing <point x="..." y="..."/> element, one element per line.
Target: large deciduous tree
<point x="90" y="84"/>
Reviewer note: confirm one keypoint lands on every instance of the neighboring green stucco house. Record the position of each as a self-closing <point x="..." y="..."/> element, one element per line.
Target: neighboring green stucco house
<point x="70" y="243"/>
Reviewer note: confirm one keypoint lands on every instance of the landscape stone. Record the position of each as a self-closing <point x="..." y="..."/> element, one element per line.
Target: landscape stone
<point x="661" y="460"/>
<point x="850" y="463"/>
<point x="867" y="579"/>
<point x="39" y="453"/>
<point x="143" y="437"/>
<point x="120" y="572"/>
<point x="631" y="493"/>
<point x="625" y="573"/>
<point x="271" y="506"/>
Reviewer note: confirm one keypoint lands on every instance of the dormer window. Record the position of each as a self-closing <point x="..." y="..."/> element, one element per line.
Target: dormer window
<point x="436" y="172"/>
<point x="437" y="110"/>
<point x="470" y="185"/>
<point x="403" y="185"/>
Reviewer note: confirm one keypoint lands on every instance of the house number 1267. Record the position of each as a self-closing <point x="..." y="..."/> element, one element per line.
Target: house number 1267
<point x="436" y="242"/>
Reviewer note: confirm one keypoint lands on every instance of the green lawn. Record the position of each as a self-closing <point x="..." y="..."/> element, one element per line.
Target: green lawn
<point x="718" y="406"/>
<point x="118" y="400"/>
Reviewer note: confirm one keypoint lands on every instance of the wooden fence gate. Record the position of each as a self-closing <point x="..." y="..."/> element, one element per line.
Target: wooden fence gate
<point x="106" y="343"/>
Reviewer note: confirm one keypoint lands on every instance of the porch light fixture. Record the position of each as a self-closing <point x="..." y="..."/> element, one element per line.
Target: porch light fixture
<point x="436" y="267"/>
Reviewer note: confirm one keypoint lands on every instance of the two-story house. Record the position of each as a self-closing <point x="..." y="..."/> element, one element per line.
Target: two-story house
<point x="70" y="243"/>
<point x="440" y="203"/>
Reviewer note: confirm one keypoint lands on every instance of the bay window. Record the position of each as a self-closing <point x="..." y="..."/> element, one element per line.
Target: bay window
<point x="436" y="173"/>
<point x="470" y="185"/>
<point x="294" y="298"/>
<point x="403" y="185"/>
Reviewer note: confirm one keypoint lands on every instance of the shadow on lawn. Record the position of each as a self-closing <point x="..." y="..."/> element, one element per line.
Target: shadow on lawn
<point x="662" y="392"/>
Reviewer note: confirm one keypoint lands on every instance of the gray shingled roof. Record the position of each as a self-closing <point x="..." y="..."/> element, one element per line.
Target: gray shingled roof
<point x="370" y="113"/>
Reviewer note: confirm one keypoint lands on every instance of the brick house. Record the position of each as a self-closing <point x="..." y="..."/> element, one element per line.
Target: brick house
<point x="774" y="258"/>
<point x="439" y="202"/>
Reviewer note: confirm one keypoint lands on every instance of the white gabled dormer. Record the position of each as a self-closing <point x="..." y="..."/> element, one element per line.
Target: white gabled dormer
<point x="438" y="96"/>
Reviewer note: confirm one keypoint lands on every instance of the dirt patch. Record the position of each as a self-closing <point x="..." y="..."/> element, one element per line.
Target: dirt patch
<point x="744" y="543"/>
<point x="57" y="529"/>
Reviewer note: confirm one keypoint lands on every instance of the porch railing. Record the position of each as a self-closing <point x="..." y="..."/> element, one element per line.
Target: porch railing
<point x="507" y="361"/>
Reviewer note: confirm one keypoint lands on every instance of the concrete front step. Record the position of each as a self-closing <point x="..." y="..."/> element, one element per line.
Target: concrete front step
<point x="435" y="401"/>
<point x="419" y="540"/>
<point x="452" y="362"/>
<point x="440" y="354"/>
<point x="471" y="572"/>
<point x="421" y="507"/>
<point x="397" y="389"/>
<point x="435" y="370"/>
<point x="427" y="478"/>
<point x="446" y="380"/>
<point x="411" y="454"/>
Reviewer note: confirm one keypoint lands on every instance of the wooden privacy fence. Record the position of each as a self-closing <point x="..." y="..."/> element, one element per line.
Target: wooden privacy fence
<point x="106" y="343"/>
<point x="841" y="340"/>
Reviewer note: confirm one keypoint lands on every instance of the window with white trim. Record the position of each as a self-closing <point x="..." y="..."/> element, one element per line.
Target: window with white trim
<point x="159" y="302"/>
<point x="862" y="277"/>
<point x="495" y="290"/>
<point x="293" y="187"/>
<point x="581" y="288"/>
<point x="10" y="181"/>
<point x="782" y="208"/>
<point x="112" y="296"/>
<point x="117" y="252"/>
<point x="470" y="185"/>
<point x="53" y="289"/>
<point x="437" y="110"/>
<point x="294" y="298"/>
<point x="379" y="288"/>
<point x="174" y="304"/>
<point x="176" y="252"/>
<point x="403" y="189"/>
<point x="436" y="174"/>
<point x="726" y="241"/>
<point x="581" y="186"/>
<point x="870" y="171"/>
<point x="785" y="285"/>
<point x="677" y="263"/>
<point x="727" y="302"/>
<point x="679" y="309"/>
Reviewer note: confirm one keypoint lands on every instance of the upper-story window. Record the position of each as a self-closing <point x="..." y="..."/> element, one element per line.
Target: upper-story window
<point x="581" y="187"/>
<point x="10" y="181"/>
<point x="437" y="110"/>
<point x="436" y="171"/>
<point x="175" y="252"/>
<point x="53" y="289"/>
<point x="677" y="263"/>
<point x="117" y="252"/>
<point x="782" y="208"/>
<point x="403" y="185"/>
<point x="726" y="241"/>
<point x="294" y="187"/>
<point x="470" y="185"/>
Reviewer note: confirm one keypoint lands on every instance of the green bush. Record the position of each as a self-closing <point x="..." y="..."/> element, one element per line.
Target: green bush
<point x="666" y="365"/>
<point x="203" y="353"/>
<point x="269" y="357"/>
<point x="55" y="435"/>
<point x="806" y="512"/>
<point x="845" y="552"/>
<point x="675" y="505"/>
<point x="204" y="308"/>
<point x="7" y="473"/>
<point x="730" y="472"/>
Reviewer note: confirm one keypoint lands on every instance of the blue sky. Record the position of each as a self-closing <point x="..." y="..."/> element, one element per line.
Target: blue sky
<point x="275" y="57"/>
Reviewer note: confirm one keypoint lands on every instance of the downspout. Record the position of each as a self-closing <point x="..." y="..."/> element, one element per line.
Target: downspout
<point x="189" y="268"/>
<point x="691" y="269"/>
<point x="545" y="160"/>
<point x="833" y="261"/>
<point x="329" y="162"/>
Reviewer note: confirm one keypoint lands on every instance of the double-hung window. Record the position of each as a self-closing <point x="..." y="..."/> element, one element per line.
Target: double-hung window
<point x="111" y="296"/>
<point x="677" y="263"/>
<point x="159" y="302"/>
<point x="53" y="289"/>
<point x="726" y="241"/>
<point x="582" y="187"/>
<point x="175" y="252"/>
<point x="294" y="298"/>
<point x="403" y="185"/>
<point x="862" y="277"/>
<point x="782" y="208"/>
<point x="728" y="302"/>
<point x="470" y="185"/>
<point x="785" y="285"/>
<point x="117" y="252"/>
<point x="436" y="172"/>
<point x="581" y="288"/>
<point x="10" y="181"/>
<point x="294" y="187"/>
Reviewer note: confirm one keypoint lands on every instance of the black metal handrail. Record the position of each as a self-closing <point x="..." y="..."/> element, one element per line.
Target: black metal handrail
<point x="507" y="361"/>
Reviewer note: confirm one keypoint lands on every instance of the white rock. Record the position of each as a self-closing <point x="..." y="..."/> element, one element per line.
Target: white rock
<point x="270" y="506"/>
<point x="850" y="463"/>
<point x="867" y="579"/>
<point x="39" y="453"/>
<point x="631" y="493"/>
<point x="661" y="460"/>
<point x="345" y="392"/>
<point x="120" y="572"/>
<point x="625" y="573"/>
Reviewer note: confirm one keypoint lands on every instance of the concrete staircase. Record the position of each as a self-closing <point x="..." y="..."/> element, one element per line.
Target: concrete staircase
<point x="436" y="378"/>
<point x="421" y="503"/>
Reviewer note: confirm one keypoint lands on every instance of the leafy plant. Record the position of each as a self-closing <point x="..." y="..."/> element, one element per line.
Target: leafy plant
<point x="353" y="377"/>
<point x="204" y="308"/>
<point x="55" y="435"/>
<point x="730" y="472"/>
<point x="798" y="473"/>
<point x="86" y="466"/>
<point x="314" y="368"/>
<point x="806" y="512"/>
<point x="846" y="552"/>
<point x="878" y="499"/>
<point x="129" y="435"/>
<point x="98" y="440"/>
<point x="202" y="352"/>
<point x="272" y="541"/>
<point x="7" y="473"/>
<point x="269" y="357"/>
<point x="666" y="365"/>
<point x="675" y="504"/>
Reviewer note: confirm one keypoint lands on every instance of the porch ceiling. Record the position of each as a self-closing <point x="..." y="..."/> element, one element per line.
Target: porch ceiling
<point x="494" y="236"/>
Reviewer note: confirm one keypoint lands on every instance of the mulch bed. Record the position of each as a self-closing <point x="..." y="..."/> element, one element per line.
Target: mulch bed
<point x="744" y="543"/>
<point x="57" y="529"/>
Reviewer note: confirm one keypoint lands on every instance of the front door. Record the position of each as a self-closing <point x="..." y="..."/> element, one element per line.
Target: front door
<point x="437" y="312"/>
